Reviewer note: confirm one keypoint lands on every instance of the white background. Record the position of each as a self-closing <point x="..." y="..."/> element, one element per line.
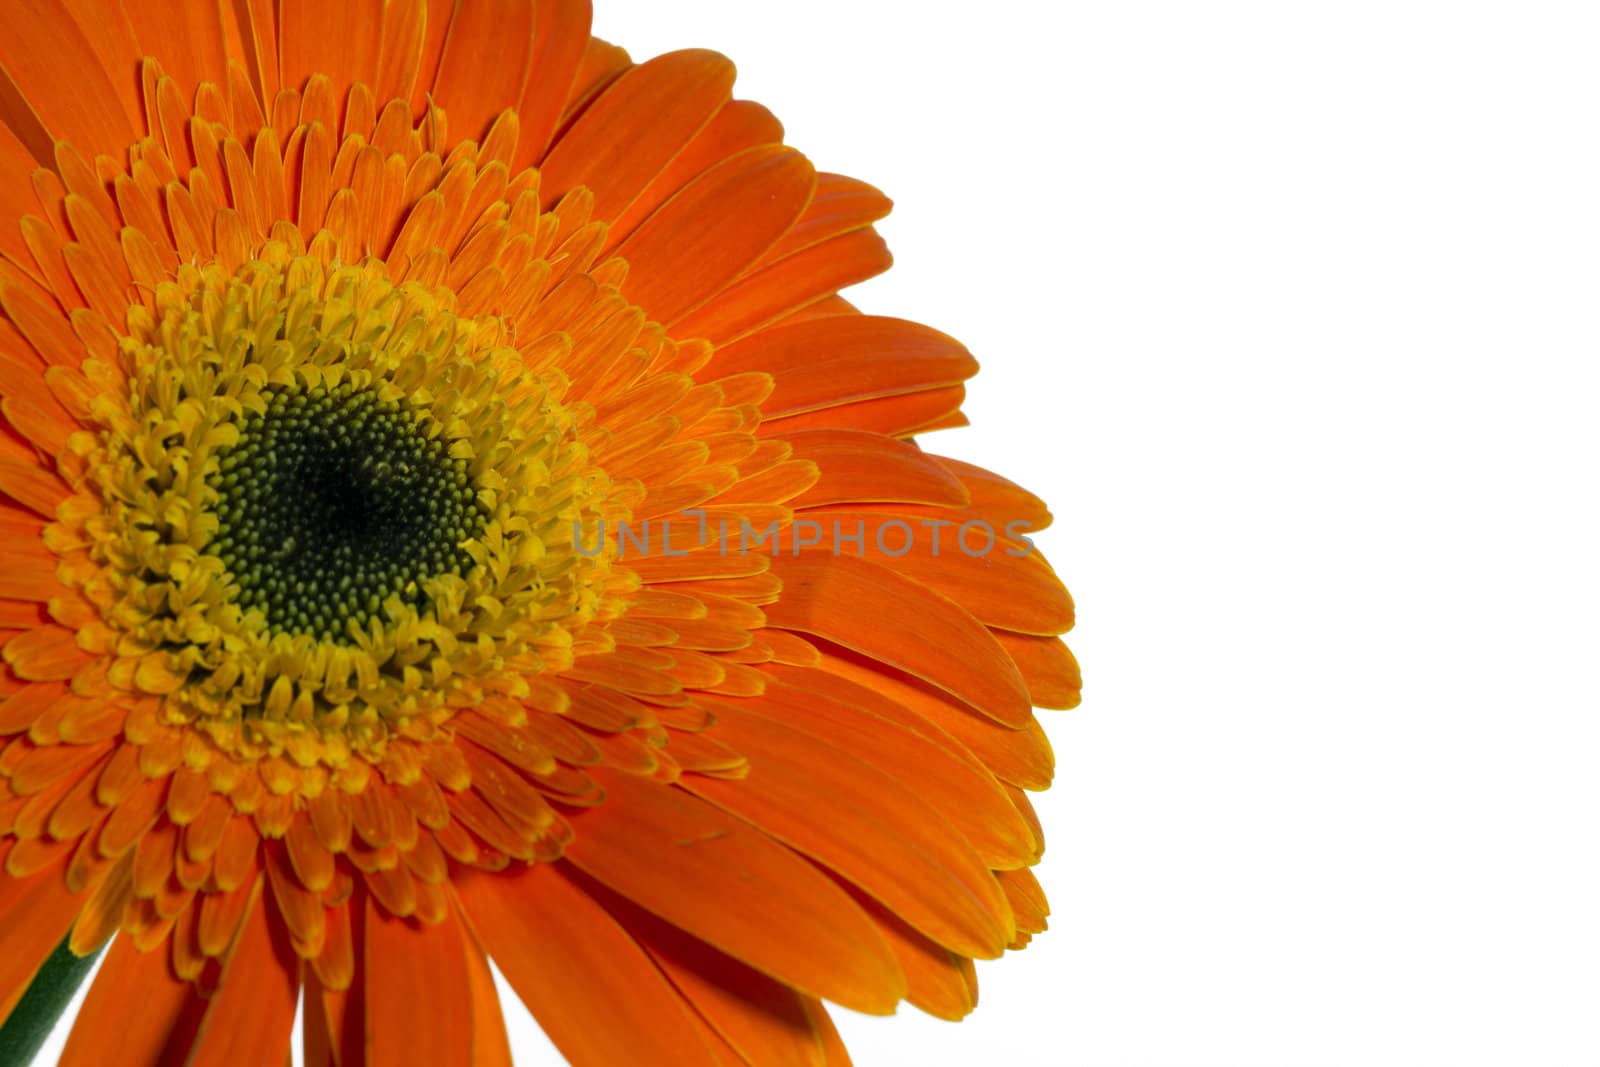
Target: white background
<point x="1289" y="309"/>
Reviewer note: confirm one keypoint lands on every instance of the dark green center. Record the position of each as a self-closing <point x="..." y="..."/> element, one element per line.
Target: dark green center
<point x="332" y="501"/>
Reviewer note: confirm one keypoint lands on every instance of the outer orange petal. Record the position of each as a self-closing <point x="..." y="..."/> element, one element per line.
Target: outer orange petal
<point x="1019" y="756"/>
<point x="848" y="815"/>
<point x="560" y="38"/>
<point x="964" y="556"/>
<point x="843" y="600"/>
<point x="842" y="358"/>
<point x="841" y="205"/>
<point x="37" y="912"/>
<point x="404" y="25"/>
<point x="858" y="466"/>
<point x="832" y="1046"/>
<point x="764" y="1020"/>
<point x="738" y="125"/>
<point x="719" y="879"/>
<point x="786" y="286"/>
<point x="136" y="1011"/>
<point x="893" y="416"/>
<point x="593" y="990"/>
<point x="16" y="191"/>
<point x="708" y="233"/>
<point x="251" y="1016"/>
<point x="485" y="63"/>
<point x="490" y="1046"/>
<point x="340" y="1036"/>
<point x="1048" y="666"/>
<point x="435" y="28"/>
<point x="32" y="486"/>
<point x="410" y="965"/>
<point x="27" y="570"/>
<point x="188" y="38"/>
<point x="600" y="66"/>
<point x="939" y="981"/>
<point x="1027" y="900"/>
<point x="45" y="654"/>
<point x="633" y="130"/>
<point x="316" y="1031"/>
<point x="86" y="109"/>
<point x="340" y="40"/>
<point x="956" y="787"/>
<point x="991" y="494"/>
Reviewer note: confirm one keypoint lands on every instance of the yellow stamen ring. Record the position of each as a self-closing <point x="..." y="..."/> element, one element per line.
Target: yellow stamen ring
<point x="497" y="596"/>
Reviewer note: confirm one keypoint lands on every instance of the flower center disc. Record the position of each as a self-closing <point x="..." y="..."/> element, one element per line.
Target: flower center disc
<point x="335" y="511"/>
<point x="334" y="500"/>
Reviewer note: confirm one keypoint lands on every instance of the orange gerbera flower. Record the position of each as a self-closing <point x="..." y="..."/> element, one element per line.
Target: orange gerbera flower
<point x="448" y="514"/>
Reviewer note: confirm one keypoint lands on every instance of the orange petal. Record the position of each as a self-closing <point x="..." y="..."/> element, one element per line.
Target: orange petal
<point x="336" y="966"/>
<point x="592" y="989"/>
<point x="1048" y="666"/>
<point x="342" y="1023"/>
<point x="787" y="285"/>
<point x="844" y="599"/>
<point x="102" y="912"/>
<point x="937" y="980"/>
<point x="490" y="1046"/>
<point x="840" y="205"/>
<point x="86" y="109"/>
<point x="485" y="63"/>
<point x="42" y="421"/>
<point x="137" y="1011"/>
<point x="700" y="240"/>
<point x="737" y="125"/>
<point x="38" y="320"/>
<point x="638" y="124"/>
<point x="833" y="1049"/>
<point x="316" y="1031"/>
<point x="38" y="911"/>
<point x="343" y="1010"/>
<point x="829" y="681"/>
<point x="404" y="26"/>
<point x="601" y="65"/>
<point x="313" y="863"/>
<point x="842" y="358"/>
<point x="32" y="486"/>
<point x="188" y="38"/>
<point x="858" y="466"/>
<point x="893" y="416"/>
<point x="50" y="764"/>
<point x="963" y="556"/>
<point x="340" y="40"/>
<point x="871" y="829"/>
<point x="1019" y="756"/>
<point x="1027" y="898"/>
<point x="21" y="614"/>
<point x="560" y="38"/>
<point x="301" y="910"/>
<point x="135" y="812"/>
<point x="251" y="1016"/>
<point x="435" y="28"/>
<point x="46" y="654"/>
<point x="21" y="709"/>
<point x="956" y="788"/>
<point x="16" y="190"/>
<point x="764" y="1020"/>
<point x="717" y="878"/>
<point x="408" y="964"/>
<point x="993" y="495"/>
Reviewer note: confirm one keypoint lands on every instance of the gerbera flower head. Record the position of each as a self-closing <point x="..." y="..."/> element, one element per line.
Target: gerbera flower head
<point x="447" y="512"/>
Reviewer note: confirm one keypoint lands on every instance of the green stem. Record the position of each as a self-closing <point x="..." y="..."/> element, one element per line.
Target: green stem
<point x="35" y="1015"/>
